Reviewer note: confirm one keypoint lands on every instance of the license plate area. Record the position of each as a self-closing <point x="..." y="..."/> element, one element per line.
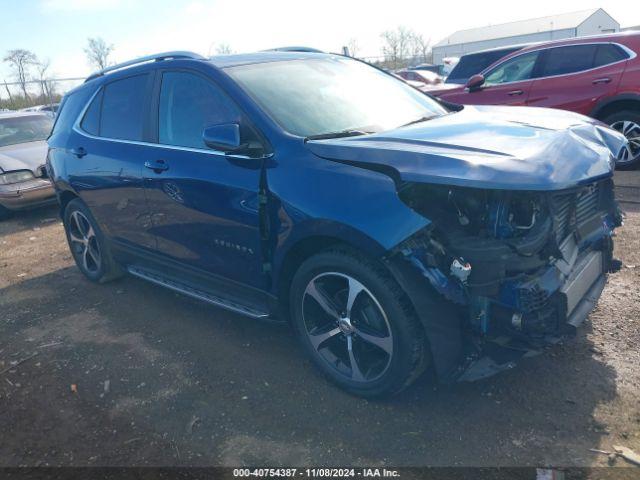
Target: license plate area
<point x="585" y="273"/>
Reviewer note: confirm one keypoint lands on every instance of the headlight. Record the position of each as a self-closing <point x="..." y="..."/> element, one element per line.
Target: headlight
<point x="15" y="177"/>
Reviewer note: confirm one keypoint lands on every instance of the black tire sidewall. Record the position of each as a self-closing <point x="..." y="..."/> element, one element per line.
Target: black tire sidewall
<point x="619" y="117"/>
<point x="407" y="334"/>
<point x="98" y="275"/>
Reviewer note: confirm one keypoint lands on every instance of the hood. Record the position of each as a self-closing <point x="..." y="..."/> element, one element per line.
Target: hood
<point x="23" y="156"/>
<point x="510" y="148"/>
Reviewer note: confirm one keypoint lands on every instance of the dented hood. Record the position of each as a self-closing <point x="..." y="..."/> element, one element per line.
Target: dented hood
<point x="515" y="148"/>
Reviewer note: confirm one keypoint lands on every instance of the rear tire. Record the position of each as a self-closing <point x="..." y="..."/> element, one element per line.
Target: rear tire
<point x="88" y="246"/>
<point x="627" y="122"/>
<point x="378" y="330"/>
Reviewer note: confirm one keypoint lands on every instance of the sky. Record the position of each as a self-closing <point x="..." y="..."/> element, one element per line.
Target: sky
<point x="58" y="29"/>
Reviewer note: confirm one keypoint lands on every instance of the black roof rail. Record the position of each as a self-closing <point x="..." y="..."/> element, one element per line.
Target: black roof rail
<point x="149" y="58"/>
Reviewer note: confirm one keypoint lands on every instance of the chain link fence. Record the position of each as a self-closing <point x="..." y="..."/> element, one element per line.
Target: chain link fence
<point x="19" y="95"/>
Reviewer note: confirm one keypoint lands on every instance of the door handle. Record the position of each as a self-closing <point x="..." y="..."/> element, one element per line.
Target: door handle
<point x="157" y="166"/>
<point x="598" y="81"/>
<point x="513" y="93"/>
<point x="78" y="152"/>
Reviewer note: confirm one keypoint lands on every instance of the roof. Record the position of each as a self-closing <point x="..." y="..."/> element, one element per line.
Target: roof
<point x="522" y="27"/>
<point x="224" y="61"/>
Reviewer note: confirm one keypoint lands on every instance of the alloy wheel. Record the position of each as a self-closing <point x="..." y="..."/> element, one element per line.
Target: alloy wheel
<point x="84" y="242"/>
<point x="347" y="327"/>
<point x="631" y="130"/>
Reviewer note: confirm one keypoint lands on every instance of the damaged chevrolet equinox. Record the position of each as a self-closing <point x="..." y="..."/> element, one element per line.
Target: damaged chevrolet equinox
<point x="393" y="233"/>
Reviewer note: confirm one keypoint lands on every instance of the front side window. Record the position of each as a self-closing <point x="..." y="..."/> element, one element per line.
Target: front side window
<point x="318" y="96"/>
<point x="23" y="129"/>
<point x="475" y="63"/>
<point x="123" y="108"/>
<point x="516" y="69"/>
<point x="189" y="104"/>
<point x="571" y="59"/>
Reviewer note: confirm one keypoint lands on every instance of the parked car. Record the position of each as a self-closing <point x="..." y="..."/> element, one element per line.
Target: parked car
<point x="391" y="232"/>
<point x="49" y="108"/>
<point x="423" y="77"/>
<point x="429" y="68"/>
<point x="474" y="63"/>
<point x="414" y="84"/>
<point x="23" y="150"/>
<point x="597" y="76"/>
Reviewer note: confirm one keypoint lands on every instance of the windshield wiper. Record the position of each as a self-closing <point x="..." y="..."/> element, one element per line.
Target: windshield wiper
<point x="419" y="120"/>
<point x="339" y="134"/>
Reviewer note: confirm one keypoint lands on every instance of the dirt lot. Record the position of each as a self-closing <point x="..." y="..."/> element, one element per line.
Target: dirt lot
<point x="164" y="380"/>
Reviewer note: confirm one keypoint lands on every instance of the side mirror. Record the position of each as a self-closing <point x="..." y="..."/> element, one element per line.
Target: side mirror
<point x="224" y="137"/>
<point x="475" y="82"/>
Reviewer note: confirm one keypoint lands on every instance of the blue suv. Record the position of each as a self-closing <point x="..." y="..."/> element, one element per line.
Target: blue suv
<point x="394" y="232"/>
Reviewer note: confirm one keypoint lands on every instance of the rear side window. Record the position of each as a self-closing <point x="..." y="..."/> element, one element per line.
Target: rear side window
<point x="123" y="108"/>
<point x="564" y="60"/>
<point x="608" y="53"/>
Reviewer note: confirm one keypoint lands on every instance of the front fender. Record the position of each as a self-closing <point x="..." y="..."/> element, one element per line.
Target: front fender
<point x="328" y="199"/>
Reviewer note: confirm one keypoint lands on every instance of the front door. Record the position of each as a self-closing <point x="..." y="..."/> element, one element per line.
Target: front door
<point x="506" y="84"/>
<point x="204" y="204"/>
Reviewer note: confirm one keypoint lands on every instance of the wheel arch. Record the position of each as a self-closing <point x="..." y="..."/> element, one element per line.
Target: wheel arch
<point x="626" y="101"/>
<point x="64" y="198"/>
<point x="314" y="238"/>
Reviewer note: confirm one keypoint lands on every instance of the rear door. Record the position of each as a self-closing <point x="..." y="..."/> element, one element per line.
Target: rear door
<point x="109" y="154"/>
<point x="506" y="84"/>
<point x="576" y="77"/>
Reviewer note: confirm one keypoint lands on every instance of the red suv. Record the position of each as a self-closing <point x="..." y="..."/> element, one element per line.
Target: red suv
<point x="597" y="76"/>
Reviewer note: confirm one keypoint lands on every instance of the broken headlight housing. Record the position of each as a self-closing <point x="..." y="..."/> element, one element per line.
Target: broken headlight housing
<point x="15" y="177"/>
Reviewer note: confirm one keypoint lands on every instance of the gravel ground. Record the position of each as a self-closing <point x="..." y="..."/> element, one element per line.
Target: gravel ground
<point x="130" y="374"/>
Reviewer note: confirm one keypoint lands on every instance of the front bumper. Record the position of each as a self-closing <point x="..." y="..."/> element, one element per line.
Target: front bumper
<point x="25" y="195"/>
<point x="473" y="335"/>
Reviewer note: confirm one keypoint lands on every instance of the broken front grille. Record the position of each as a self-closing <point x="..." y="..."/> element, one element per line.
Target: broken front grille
<point x="576" y="207"/>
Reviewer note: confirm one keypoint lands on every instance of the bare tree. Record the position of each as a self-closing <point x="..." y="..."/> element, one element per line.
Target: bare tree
<point x="224" y="49"/>
<point x="397" y="45"/>
<point x="421" y="48"/>
<point x="97" y="52"/>
<point x="21" y="61"/>
<point x="43" y="72"/>
<point x="354" y="47"/>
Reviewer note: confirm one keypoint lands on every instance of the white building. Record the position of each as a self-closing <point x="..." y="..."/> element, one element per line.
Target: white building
<point x="567" y="25"/>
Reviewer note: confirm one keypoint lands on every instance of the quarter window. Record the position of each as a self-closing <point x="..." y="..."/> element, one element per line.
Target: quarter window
<point x="515" y="69"/>
<point x="189" y="104"/>
<point x="91" y="121"/>
<point x="123" y="108"/>
<point x="608" y="53"/>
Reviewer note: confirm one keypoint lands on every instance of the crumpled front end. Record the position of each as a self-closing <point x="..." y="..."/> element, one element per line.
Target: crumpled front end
<point x="522" y="268"/>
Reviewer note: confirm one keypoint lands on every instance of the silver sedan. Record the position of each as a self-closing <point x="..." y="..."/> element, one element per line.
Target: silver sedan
<point x="23" y="150"/>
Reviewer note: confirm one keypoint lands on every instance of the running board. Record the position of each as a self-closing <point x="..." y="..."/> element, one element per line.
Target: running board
<point x="158" y="279"/>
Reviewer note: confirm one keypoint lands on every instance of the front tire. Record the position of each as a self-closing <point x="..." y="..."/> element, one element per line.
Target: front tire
<point x="88" y="245"/>
<point x="627" y="122"/>
<point x="356" y="323"/>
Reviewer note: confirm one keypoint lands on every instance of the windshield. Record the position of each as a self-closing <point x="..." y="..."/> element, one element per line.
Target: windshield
<point x="313" y="97"/>
<point x="470" y="65"/>
<point x="24" y="129"/>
